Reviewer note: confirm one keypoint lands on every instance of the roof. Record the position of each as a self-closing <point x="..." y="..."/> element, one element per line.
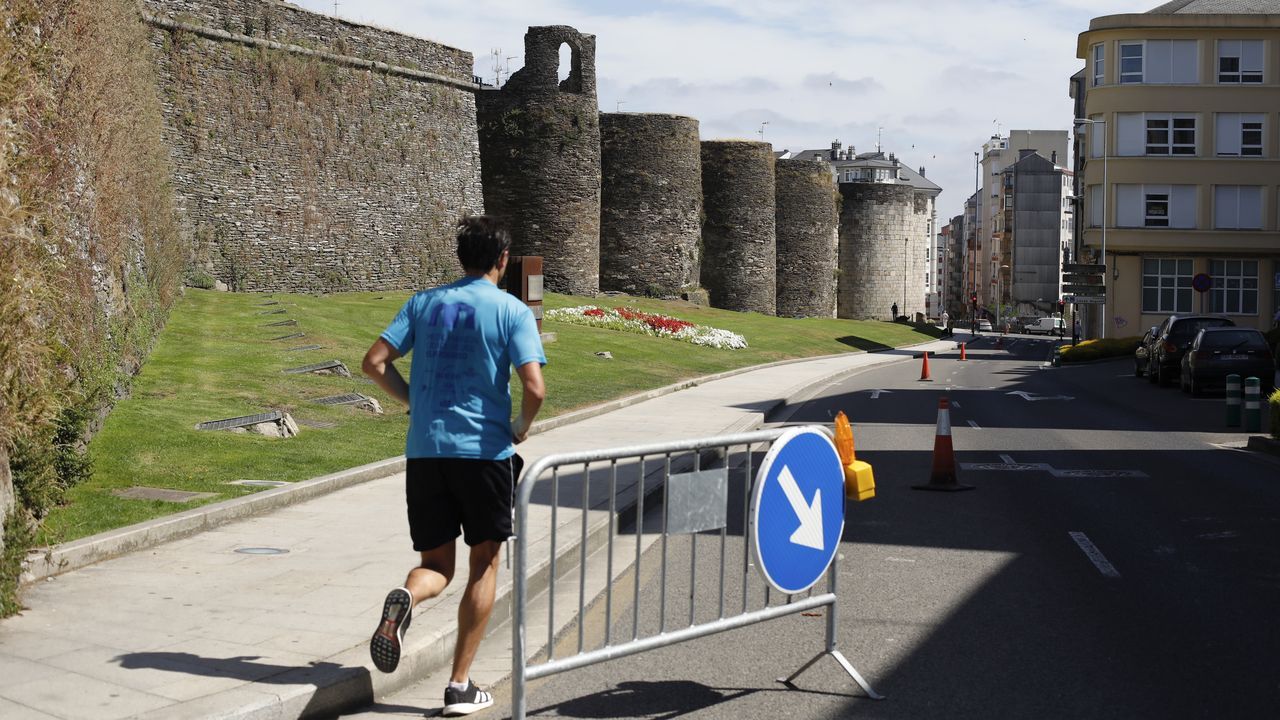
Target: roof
<point x="1216" y="7"/>
<point x="877" y="159"/>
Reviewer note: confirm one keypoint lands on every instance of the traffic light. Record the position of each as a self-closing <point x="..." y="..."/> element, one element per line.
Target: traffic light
<point x="1062" y="306"/>
<point x="973" y="299"/>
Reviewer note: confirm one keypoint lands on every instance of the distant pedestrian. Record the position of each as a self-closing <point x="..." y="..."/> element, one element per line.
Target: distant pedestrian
<point x="946" y="324"/>
<point x="894" y="310"/>
<point x="462" y="467"/>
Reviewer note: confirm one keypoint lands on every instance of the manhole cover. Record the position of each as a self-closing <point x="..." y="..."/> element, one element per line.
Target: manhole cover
<point x="327" y="365"/>
<point x="298" y="348"/>
<point x="318" y="424"/>
<point x="148" y="493"/>
<point x="282" y="323"/>
<point x="242" y="421"/>
<point x="261" y="551"/>
<point x="291" y="336"/>
<point x="348" y="399"/>
<point x="258" y="483"/>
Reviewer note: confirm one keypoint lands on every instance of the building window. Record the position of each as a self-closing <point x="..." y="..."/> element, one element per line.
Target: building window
<point x="1156" y="213"/>
<point x="1155" y="206"/>
<point x="1235" y="287"/>
<point x="1166" y="285"/>
<point x="1095" y="206"/>
<point x="1171" y="135"/>
<point x="1130" y="63"/>
<point x="1239" y="134"/>
<point x="1237" y="207"/>
<point x="1099" y="58"/>
<point x="1239" y="61"/>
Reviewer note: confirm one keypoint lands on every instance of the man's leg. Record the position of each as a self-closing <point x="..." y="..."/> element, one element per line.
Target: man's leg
<point x="477" y="603"/>
<point x="434" y="574"/>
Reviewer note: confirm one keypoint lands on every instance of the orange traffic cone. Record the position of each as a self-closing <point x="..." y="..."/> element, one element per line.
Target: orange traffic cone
<point x="962" y="355"/>
<point x="944" y="475"/>
<point x="924" y="368"/>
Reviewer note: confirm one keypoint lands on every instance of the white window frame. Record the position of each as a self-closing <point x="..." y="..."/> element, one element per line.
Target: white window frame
<point x="1157" y="62"/>
<point x="1232" y="133"/>
<point x="1152" y="216"/>
<point x="1170" y="281"/>
<point x="1170" y="146"/>
<point x="1133" y="209"/>
<point x="1237" y="207"/>
<point x="1235" y="289"/>
<point x="1249" y="70"/>
<point x="1099" y="55"/>
<point x="1123" y="76"/>
<point x="1096" y="204"/>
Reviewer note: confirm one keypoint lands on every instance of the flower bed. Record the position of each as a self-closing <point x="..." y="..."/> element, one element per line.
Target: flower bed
<point x="635" y="321"/>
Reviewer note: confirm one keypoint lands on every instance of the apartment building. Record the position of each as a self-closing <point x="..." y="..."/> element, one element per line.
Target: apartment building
<point x="1035" y="234"/>
<point x="1180" y="161"/>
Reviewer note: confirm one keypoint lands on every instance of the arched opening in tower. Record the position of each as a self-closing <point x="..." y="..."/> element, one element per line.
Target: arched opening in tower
<point x="569" y="71"/>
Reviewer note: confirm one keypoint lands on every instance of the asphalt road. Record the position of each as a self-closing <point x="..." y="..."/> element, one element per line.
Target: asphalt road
<point x="984" y="603"/>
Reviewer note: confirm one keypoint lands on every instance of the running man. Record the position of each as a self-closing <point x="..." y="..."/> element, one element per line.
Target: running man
<point x="462" y="468"/>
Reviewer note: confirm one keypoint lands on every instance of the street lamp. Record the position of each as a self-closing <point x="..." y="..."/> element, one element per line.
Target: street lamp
<point x="1105" y="194"/>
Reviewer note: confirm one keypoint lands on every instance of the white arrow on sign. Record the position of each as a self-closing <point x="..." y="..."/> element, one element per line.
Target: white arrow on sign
<point x="1030" y="397"/>
<point x="875" y="394"/>
<point x="809" y="534"/>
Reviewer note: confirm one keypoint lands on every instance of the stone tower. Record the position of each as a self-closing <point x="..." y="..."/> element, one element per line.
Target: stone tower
<point x="540" y="158"/>
<point x="881" y="261"/>
<point x="806" y="232"/>
<point x="739" y="254"/>
<point x="651" y="195"/>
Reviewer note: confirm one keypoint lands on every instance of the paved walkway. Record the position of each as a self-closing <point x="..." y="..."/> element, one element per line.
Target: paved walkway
<point x="192" y="628"/>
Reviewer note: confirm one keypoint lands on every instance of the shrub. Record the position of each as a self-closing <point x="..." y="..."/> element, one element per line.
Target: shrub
<point x="1099" y="349"/>
<point x="1273" y="403"/>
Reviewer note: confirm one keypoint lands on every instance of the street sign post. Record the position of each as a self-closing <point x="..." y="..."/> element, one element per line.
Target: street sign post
<point x="797" y="510"/>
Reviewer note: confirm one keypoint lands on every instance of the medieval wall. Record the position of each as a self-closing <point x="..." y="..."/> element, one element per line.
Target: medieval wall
<point x="739" y="254"/>
<point x="806" y="237"/>
<point x="882" y="254"/>
<point x="540" y="153"/>
<point x="312" y="153"/>
<point x="651" y="203"/>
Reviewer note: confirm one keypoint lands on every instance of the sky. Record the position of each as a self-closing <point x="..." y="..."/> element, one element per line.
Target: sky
<point x="933" y="78"/>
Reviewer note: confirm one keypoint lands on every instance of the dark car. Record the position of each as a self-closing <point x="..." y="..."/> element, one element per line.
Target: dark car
<point x="1143" y="352"/>
<point x="1164" y="359"/>
<point x="1218" y="352"/>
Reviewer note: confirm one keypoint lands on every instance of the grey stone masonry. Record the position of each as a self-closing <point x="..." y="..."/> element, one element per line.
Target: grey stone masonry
<point x="882" y="250"/>
<point x="651" y="203"/>
<point x="739" y="253"/>
<point x="6" y="493"/>
<point x="298" y="171"/>
<point x="540" y="155"/>
<point x="806" y="237"/>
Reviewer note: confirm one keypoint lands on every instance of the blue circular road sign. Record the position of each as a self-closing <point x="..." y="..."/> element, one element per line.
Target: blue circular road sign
<point x="797" y="510"/>
<point x="1202" y="282"/>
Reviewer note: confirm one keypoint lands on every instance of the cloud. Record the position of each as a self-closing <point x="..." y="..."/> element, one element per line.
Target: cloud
<point x="833" y="81"/>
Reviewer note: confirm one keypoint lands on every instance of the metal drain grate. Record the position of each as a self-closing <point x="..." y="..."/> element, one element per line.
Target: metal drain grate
<point x="165" y="494"/>
<point x="298" y="348"/>
<point x="282" y="323"/>
<point x="348" y="399"/>
<point x="293" y="336"/>
<point x="318" y="424"/>
<point x="269" y="302"/>
<point x="242" y="421"/>
<point x="327" y="365"/>
<point x="273" y="312"/>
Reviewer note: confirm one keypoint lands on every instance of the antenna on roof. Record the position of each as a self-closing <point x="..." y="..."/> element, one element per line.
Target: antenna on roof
<point x="761" y="130"/>
<point x="878" y="131"/>
<point x="497" y="66"/>
<point x="335" y="8"/>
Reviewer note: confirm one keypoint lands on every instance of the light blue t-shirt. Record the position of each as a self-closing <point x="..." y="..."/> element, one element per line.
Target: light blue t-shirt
<point x="465" y="336"/>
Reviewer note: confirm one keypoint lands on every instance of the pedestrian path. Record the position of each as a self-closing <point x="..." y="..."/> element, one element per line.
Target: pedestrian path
<point x="198" y="627"/>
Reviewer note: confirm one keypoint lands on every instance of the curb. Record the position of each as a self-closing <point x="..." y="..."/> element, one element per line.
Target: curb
<point x="1263" y="444"/>
<point x="76" y="554"/>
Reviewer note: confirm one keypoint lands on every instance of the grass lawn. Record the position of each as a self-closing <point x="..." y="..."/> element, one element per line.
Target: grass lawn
<point x="217" y="359"/>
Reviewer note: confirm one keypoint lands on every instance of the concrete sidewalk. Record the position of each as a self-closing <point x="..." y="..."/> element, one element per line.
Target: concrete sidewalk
<point x="196" y="628"/>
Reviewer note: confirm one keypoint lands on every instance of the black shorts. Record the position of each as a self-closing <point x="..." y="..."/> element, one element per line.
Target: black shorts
<point x="449" y="496"/>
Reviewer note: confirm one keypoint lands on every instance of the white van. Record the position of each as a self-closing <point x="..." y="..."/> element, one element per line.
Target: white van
<point x="1047" y="326"/>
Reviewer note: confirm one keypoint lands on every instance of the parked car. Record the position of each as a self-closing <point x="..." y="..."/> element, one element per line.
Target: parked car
<point x="1140" y="355"/>
<point x="1218" y="352"/>
<point x="1164" y="359"/>
<point x="1046" y="326"/>
<point x="984" y="324"/>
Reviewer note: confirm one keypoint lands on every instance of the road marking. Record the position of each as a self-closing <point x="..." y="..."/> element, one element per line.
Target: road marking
<point x="974" y="425"/>
<point x="1031" y="397"/>
<point x="1016" y="467"/>
<point x="875" y="394"/>
<point x="1099" y="473"/>
<point x="1007" y="460"/>
<point x="1094" y="554"/>
<point x="955" y="404"/>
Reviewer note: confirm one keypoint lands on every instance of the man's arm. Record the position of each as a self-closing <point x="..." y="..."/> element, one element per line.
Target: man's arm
<point x="530" y="400"/>
<point x="379" y="366"/>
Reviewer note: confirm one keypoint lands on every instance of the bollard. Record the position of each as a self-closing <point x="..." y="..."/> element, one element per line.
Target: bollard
<point x="1233" y="400"/>
<point x="1252" y="405"/>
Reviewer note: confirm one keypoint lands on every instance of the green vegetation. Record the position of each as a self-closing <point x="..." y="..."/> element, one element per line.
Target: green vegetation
<point x="1099" y="349"/>
<point x="216" y="359"/>
<point x="1273" y="403"/>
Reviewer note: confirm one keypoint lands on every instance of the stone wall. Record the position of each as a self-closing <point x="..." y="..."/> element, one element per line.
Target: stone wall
<point x="308" y="168"/>
<point x="651" y="203"/>
<point x="6" y="492"/>
<point x="739" y="255"/>
<point x="540" y="153"/>
<point x="806" y="238"/>
<point x="882" y="250"/>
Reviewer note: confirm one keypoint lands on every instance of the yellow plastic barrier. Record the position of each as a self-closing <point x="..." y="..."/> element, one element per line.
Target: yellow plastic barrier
<point x="859" y="481"/>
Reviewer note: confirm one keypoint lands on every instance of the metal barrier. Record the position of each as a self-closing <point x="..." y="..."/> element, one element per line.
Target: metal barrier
<point x="606" y="462"/>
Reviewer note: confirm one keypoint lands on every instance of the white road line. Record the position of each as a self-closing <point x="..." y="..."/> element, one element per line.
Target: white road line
<point x="1007" y="460"/>
<point x="974" y="425"/>
<point x="1094" y="554"/>
<point x="955" y="404"/>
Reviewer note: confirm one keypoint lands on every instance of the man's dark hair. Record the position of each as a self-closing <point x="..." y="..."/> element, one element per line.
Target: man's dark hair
<point x="481" y="240"/>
